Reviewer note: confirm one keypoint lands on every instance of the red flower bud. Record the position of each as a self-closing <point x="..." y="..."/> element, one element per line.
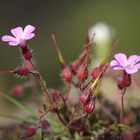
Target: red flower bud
<point x="55" y="96"/>
<point x="17" y="90"/>
<point x="75" y="65"/>
<point x="82" y="73"/>
<point x="45" y="126"/>
<point x="22" y="71"/>
<point x="30" y="132"/>
<point x="89" y="107"/>
<point x="66" y="74"/>
<point x="85" y="96"/>
<point x="95" y="72"/>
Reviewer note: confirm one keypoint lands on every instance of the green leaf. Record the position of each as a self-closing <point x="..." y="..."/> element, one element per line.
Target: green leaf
<point x="18" y="118"/>
<point x="19" y="105"/>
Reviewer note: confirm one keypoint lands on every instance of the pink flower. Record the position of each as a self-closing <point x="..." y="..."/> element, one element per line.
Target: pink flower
<point x="20" y="36"/>
<point x="129" y="65"/>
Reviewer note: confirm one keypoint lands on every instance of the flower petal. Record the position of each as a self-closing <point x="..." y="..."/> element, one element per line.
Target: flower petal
<point x="17" y="32"/>
<point x="28" y="30"/>
<point x="121" y="58"/>
<point x="133" y="59"/>
<point x="118" y="68"/>
<point x="29" y="36"/>
<point x="113" y="63"/>
<point x="14" y="43"/>
<point x="138" y="65"/>
<point x="131" y="70"/>
<point x="8" y="38"/>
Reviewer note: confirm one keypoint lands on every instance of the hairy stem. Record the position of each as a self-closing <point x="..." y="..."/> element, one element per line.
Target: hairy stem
<point x="42" y="84"/>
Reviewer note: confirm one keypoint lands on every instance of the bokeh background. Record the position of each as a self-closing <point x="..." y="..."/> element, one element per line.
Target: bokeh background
<point x="67" y="20"/>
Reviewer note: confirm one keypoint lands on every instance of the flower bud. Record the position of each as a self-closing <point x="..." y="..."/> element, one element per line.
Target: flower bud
<point x="75" y="65"/>
<point x="45" y="126"/>
<point x="17" y="90"/>
<point x="22" y="71"/>
<point x="95" y="72"/>
<point x="89" y="107"/>
<point x="85" y="95"/>
<point x="66" y="74"/>
<point x="31" y="131"/>
<point x="55" y="96"/>
<point x="82" y="73"/>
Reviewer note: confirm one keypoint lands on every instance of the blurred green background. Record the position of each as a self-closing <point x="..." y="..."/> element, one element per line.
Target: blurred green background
<point x="67" y="20"/>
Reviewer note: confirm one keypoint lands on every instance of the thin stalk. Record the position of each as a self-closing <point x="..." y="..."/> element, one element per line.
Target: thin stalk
<point x="42" y="83"/>
<point x="42" y="135"/>
<point x="122" y="105"/>
<point x="60" y="118"/>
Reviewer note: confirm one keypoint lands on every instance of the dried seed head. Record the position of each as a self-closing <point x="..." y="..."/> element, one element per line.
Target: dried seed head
<point x="66" y="74"/>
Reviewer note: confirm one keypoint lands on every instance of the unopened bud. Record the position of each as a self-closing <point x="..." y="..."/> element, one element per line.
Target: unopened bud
<point x="31" y="131"/>
<point x="85" y="95"/>
<point x="22" y="71"/>
<point x="89" y="107"/>
<point x="17" y="90"/>
<point x="95" y="72"/>
<point x="66" y="74"/>
<point x="55" y="96"/>
<point x="82" y="73"/>
<point x="45" y="126"/>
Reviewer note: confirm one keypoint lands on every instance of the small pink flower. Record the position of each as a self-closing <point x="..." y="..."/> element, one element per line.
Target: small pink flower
<point x="129" y="65"/>
<point x="20" y="36"/>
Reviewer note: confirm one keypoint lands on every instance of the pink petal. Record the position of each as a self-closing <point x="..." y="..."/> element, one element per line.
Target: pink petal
<point x="113" y="63"/>
<point x="17" y="32"/>
<point x="29" y="36"/>
<point x="14" y="43"/>
<point x="118" y="68"/>
<point x="131" y="70"/>
<point x="28" y="30"/>
<point x="8" y="38"/>
<point x="121" y="58"/>
<point x="138" y="65"/>
<point x="133" y="59"/>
